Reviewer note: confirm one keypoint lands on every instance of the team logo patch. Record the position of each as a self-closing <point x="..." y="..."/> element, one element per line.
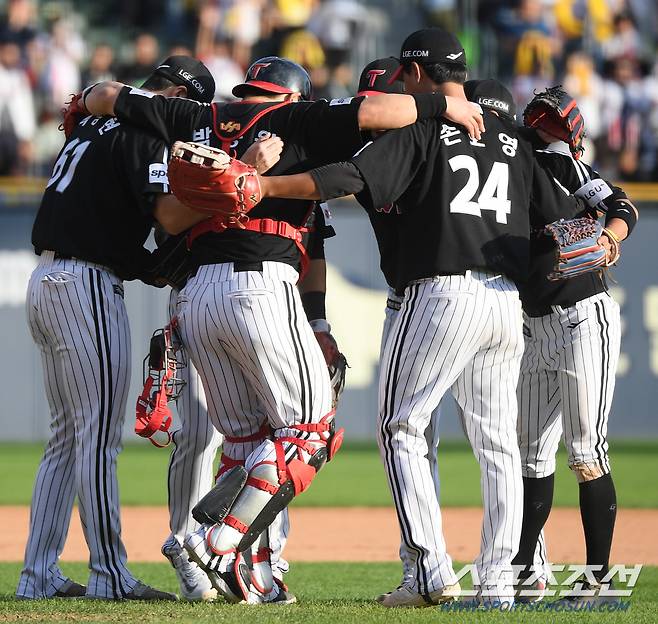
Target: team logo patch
<point x="255" y="69"/>
<point x="229" y="126"/>
<point x="339" y="101"/>
<point x="158" y="173"/>
<point x="373" y="74"/>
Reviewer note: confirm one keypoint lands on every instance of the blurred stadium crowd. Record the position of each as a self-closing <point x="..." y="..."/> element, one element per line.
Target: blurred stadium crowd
<point x="603" y="51"/>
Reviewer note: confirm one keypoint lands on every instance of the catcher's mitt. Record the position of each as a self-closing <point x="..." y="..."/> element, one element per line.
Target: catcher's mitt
<point x="170" y="264"/>
<point x="578" y="250"/>
<point x="555" y="112"/>
<point x="336" y="363"/>
<point x="208" y="180"/>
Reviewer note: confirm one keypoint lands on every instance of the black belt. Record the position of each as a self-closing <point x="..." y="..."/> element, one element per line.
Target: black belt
<point x="240" y="267"/>
<point x="548" y="309"/>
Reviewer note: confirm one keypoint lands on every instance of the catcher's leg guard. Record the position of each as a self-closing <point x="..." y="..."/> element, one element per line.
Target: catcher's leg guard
<point x="270" y="487"/>
<point x="215" y="505"/>
<point x="261" y="567"/>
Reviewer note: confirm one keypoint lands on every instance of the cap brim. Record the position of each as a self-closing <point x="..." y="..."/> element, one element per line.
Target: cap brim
<point x="239" y="90"/>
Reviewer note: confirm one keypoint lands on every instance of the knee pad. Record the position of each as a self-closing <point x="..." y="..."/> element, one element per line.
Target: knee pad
<point x="587" y="471"/>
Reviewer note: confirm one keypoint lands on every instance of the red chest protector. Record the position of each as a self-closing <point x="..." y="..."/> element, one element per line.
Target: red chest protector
<point x="227" y="131"/>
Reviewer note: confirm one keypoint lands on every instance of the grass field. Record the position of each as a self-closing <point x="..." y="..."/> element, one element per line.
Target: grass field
<point x="356" y="477"/>
<point x="327" y="592"/>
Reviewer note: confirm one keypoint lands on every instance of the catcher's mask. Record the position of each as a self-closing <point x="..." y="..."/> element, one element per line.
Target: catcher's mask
<point x="273" y="74"/>
<point x="161" y="384"/>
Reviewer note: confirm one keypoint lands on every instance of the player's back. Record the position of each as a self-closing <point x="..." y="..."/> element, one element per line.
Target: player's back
<point x="94" y="207"/>
<point x="468" y="206"/>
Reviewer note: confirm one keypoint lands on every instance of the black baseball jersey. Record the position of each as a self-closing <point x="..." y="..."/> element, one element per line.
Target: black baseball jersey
<point x="581" y="180"/>
<point x="98" y="203"/>
<point x="314" y="133"/>
<point x="465" y="204"/>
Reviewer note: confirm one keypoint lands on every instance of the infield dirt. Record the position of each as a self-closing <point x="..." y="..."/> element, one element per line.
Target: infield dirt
<point x="355" y="534"/>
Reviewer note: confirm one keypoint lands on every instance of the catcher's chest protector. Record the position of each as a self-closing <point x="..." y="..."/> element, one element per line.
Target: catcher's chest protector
<point x="230" y="124"/>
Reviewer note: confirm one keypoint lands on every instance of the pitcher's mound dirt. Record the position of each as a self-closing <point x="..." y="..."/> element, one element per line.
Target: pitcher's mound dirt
<point x="354" y="534"/>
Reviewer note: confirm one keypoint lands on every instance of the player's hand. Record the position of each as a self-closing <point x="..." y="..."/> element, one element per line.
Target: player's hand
<point x="465" y="114"/>
<point x="264" y="154"/>
<point x="611" y="246"/>
<point x="328" y="346"/>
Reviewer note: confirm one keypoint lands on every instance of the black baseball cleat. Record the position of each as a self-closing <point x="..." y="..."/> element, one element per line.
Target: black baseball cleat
<point x="588" y="594"/>
<point x="70" y="589"/>
<point x="146" y="592"/>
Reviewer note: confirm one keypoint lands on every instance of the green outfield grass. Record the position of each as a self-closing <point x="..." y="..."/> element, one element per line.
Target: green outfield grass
<point x="355" y="477"/>
<point x="327" y="593"/>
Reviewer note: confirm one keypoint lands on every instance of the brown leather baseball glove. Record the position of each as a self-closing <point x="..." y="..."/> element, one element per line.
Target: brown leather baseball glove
<point x="208" y="180"/>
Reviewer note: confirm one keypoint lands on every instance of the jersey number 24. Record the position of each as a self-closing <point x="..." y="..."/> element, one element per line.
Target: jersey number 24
<point x="493" y="195"/>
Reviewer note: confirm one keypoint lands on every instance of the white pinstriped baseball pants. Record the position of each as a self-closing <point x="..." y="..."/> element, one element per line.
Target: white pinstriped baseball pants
<point x="196" y="443"/>
<point x="459" y="333"/>
<point x="257" y="357"/>
<point x="78" y="319"/>
<point x="393" y="304"/>
<point x="566" y="386"/>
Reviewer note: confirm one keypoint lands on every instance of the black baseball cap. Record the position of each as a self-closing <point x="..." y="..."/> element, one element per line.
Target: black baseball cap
<point x="189" y="72"/>
<point x="493" y="95"/>
<point x="379" y="77"/>
<point x="433" y="45"/>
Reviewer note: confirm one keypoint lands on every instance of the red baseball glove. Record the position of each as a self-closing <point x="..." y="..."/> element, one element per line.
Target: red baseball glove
<point x="73" y="112"/>
<point x="208" y="180"/>
<point x="554" y="111"/>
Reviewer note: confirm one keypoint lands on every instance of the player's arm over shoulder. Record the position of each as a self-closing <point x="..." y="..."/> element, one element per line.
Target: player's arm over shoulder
<point x="171" y="119"/>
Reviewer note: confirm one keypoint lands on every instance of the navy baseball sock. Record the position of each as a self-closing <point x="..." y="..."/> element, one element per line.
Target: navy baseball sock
<point x="598" y="510"/>
<point x="537" y="502"/>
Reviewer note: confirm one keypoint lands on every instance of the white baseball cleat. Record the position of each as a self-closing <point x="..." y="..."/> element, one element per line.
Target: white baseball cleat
<point x="194" y="582"/>
<point x="404" y="596"/>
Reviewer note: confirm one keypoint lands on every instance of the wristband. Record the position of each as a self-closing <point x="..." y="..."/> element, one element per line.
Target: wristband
<point x="624" y="210"/>
<point x="430" y="105"/>
<point x="320" y="326"/>
<point x="85" y="93"/>
<point x="314" y="305"/>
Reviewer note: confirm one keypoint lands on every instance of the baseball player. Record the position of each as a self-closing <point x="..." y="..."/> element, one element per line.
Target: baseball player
<point x="378" y="77"/>
<point x="256" y="353"/>
<point x="464" y="243"/>
<point x="196" y="442"/>
<point x="572" y="334"/>
<point x="108" y="183"/>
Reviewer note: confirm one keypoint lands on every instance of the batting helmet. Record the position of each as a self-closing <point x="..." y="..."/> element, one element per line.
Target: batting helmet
<point x="276" y="75"/>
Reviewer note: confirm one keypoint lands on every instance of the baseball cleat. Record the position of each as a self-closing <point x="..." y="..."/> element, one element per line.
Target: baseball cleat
<point x="70" y="589"/>
<point x="403" y="596"/>
<point x="585" y="593"/>
<point x="534" y="592"/>
<point x="284" y="597"/>
<point x="194" y="582"/>
<point x="142" y="591"/>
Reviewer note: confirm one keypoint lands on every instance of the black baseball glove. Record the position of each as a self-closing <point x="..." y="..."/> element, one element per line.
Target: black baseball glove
<point x="170" y="264"/>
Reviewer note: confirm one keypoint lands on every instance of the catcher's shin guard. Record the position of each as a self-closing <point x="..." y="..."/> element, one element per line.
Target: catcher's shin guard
<point x="262" y="578"/>
<point x="215" y="505"/>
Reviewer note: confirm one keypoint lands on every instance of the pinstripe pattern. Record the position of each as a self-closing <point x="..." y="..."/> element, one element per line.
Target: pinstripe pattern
<point x="81" y="328"/>
<point x="458" y="333"/>
<point x="393" y="304"/>
<point x="566" y="384"/>
<point x="258" y="360"/>
<point x="195" y="445"/>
